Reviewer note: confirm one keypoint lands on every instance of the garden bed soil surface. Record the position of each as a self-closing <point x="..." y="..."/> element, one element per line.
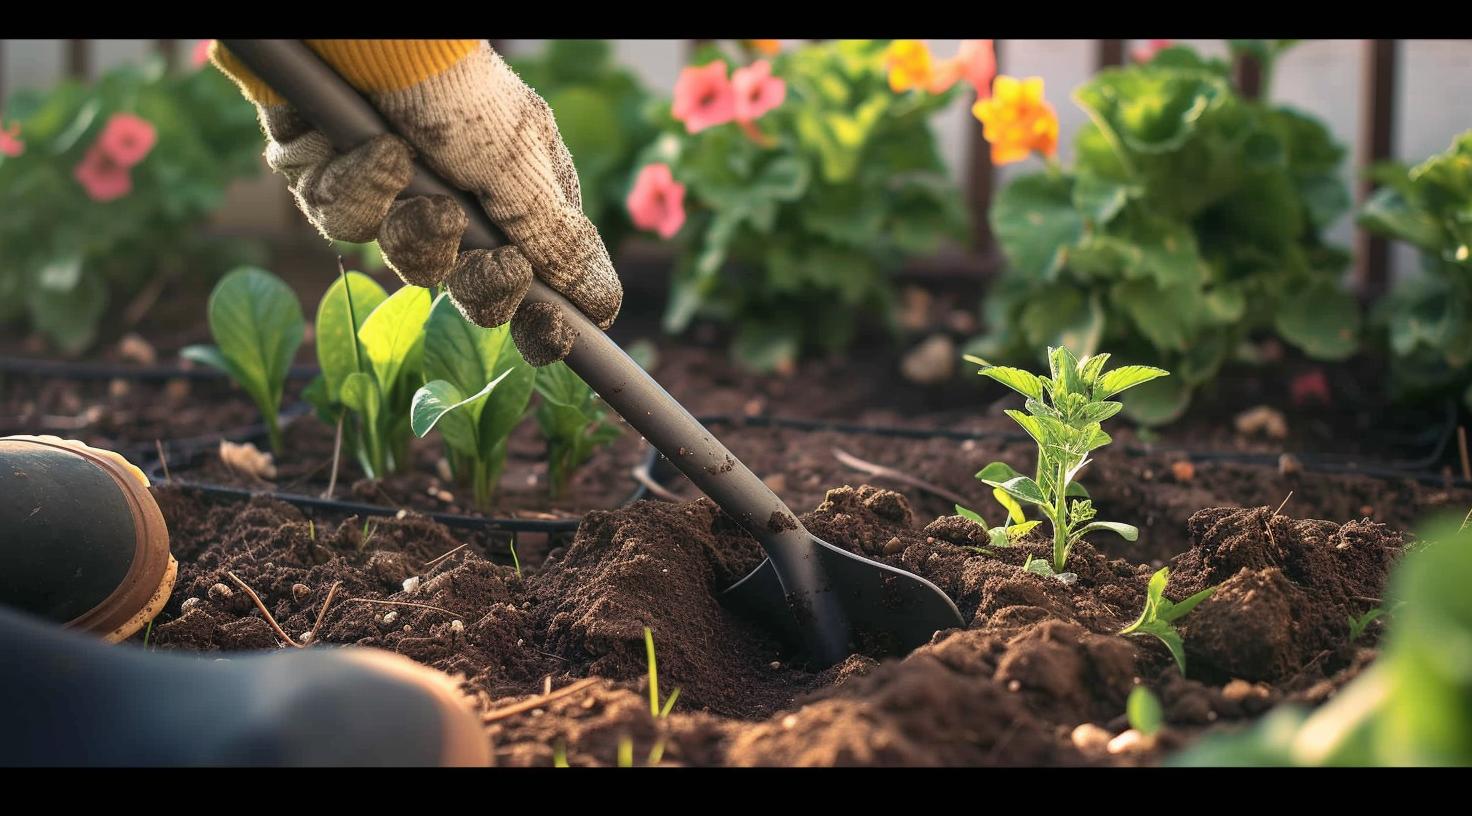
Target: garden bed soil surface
<point x="1037" y="659"/>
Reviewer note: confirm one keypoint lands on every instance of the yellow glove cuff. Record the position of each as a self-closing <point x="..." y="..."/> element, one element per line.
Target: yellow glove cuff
<point x="372" y="66"/>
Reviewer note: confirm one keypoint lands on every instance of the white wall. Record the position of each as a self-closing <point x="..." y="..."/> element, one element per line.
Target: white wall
<point x="1322" y="77"/>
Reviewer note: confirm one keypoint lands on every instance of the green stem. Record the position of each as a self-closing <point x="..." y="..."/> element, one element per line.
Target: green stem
<point x="1060" y="525"/>
<point x="273" y="432"/>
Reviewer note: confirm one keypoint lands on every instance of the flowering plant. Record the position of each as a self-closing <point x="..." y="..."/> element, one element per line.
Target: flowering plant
<point x="795" y="183"/>
<point x="105" y="186"/>
<point x="1192" y="219"/>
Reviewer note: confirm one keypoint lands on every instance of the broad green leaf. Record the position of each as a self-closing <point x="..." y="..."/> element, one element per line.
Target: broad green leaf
<point x="394" y="333"/>
<point x="1176" y="611"/>
<point x="337" y="329"/>
<point x="1023" y="382"/>
<point x="1126" y="531"/>
<point x="1124" y="378"/>
<point x="1022" y="488"/>
<point x="1324" y="321"/>
<point x="970" y="515"/>
<point x="257" y="324"/>
<point x="1031" y="424"/>
<point x="1035" y="222"/>
<point x="437" y="399"/>
<point x="360" y="393"/>
<point x="1158" y="402"/>
<point x="1039" y="567"/>
<point x="1171" y="638"/>
<point x="1144" y="712"/>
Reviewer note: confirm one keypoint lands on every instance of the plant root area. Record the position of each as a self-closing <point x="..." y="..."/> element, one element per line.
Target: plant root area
<point x="1037" y="677"/>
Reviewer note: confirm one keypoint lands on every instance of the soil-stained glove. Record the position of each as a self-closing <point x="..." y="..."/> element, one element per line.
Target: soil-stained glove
<point x="471" y="120"/>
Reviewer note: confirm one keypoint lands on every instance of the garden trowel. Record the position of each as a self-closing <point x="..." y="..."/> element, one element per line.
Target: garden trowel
<point x="825" y="599"/>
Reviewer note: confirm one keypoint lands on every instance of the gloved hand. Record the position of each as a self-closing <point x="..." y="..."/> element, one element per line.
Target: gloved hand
<point x="477" y="125"/>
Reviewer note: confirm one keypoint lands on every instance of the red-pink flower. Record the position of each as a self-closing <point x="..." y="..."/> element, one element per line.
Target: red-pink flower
<point x="657" y="201"/>
<point x="1148" y="51"/>
<point x="757" y="91"/>
<point x="703" y="97"/>
<point x="978" y="59"/>
<point x="1309" y="387"/>
<point x="102" y="178"/>
<point x="127" y="139"/>
<point x="201" y="54"/>
<point x="10" y="143"/>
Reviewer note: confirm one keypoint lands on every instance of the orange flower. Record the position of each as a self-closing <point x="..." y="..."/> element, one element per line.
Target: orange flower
<point x="1016" y="120"/>
<point x="910" y="65"/>
<point x="769" y="47"/>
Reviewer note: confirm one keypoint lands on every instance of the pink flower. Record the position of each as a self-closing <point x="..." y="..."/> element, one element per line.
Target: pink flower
<point x="10" y="143"/>
<point x="1148" y="51"/>
<point x="657" y="201"/>
<point x="978" y="59"/>
<point x="201" y="54"/>
<point x="703" y="97"/>
<point x="757" y="91"/>
<point x="1310" y="386"/>
<point x="127" y="139"/>
<point x="102" y="178"/>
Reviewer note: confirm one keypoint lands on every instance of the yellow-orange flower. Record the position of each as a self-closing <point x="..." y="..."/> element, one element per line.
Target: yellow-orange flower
<point x="768" y="47"/>
<point x="910" y="65"/>
<point x="1016" y="120"/>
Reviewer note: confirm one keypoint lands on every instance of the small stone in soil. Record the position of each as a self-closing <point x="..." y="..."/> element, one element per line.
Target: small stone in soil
<point x="301" y="592"/>
<point x="390" y="617"/>
<point x="189" y="603"/>
<point x="894" y="546"/>
<point x="411" y="584"/>
<point x="219" y="593"/>
<point x="1090" y="738"/>
<point x="1130" y="742"/>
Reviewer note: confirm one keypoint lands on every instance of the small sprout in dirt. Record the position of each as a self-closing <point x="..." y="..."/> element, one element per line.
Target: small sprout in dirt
<point x="626" y="752"/>
<point x="148" y="633"/>
<point x="477" y="391"/>
<point x="311" y="529"/>
<point x="657" y="711"/>
<point x="559" y="755"/>
<point x="370" y="529"/>
<point x="1004" y="535"/>
<point x="573" y="421"/>
<point x="1063" y="417"/>
<point x="1160" y="614"/>
<point x="1042" y="569"/>
<point x="511" y="545"/>
<point x="1144" y="712"/>
<point x="257" y="325"/>
<point x="1357" y="626"/>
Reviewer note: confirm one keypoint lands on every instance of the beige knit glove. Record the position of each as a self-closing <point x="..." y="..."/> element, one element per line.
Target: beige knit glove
<point x="481" y="129"/>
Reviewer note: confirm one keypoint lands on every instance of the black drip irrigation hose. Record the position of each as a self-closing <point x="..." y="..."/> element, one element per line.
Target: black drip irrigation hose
<point x="160" y="474"/>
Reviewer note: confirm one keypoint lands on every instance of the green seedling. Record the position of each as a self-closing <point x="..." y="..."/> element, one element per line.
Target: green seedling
<point x="257" y="325"/>
<point x="370" y="529"/>
<point x="657" y="711"/>
<point x="573" y="421"/>
<point x="559" y="755"/>
<point x="478" y="390"/>
<point x="1004" y="535"/>
<point x="1357" y="626"/>
<point x="514" y="560"/>
<point x="1160" y="614"/>
<point x="1063" y="417"/>
<point x="1144" y="711"/>
<point x="370" y="346"/>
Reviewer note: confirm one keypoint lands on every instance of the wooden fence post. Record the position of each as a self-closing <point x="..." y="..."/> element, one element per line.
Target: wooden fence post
<point x="1377" y="142"/>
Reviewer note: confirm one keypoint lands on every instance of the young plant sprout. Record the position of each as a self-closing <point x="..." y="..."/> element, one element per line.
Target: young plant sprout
<point x="1003" y="535"/>
<point x="371" y="349"/>
<point x="573" y="421"/>
<point x="1160" y="614"/>
<point x="1063" y="417"/>
<point x="1357" y="626"/>
<point x="478" y="390"/>
<point x="1144" y="712"/>
<point x="257" y="325"/>
<point x="657" y="711"/>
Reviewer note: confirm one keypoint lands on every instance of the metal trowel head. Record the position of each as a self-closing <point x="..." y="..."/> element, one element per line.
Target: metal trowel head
<point x="889" y="611"/>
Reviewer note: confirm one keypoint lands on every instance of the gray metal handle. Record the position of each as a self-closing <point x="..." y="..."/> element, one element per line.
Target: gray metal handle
<point x="325" y="100"/>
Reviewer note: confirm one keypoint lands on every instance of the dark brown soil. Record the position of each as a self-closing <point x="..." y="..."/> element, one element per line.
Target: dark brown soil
<point x="1037" y="659"/>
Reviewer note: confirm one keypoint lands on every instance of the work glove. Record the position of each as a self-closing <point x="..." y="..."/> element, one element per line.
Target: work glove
<point x="468" y="117"/>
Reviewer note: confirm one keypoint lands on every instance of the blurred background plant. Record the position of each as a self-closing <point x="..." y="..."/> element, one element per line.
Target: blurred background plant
<point x="1191" y="221"/>
<point x="1426" y="319"/>
<point x="1411" y="707"/>
<point x="795" y="186"/>
<point x="105" y="187"/>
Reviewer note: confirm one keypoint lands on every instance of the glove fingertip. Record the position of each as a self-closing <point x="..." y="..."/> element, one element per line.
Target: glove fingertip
<point x="541" y="335"/>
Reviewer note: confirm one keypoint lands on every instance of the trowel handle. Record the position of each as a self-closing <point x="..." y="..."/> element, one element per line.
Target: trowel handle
<point x="332" y="106"/>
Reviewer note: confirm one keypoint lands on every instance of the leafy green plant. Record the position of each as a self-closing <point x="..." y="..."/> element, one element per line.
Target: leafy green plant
<point x="573" y="421"/>
<point x="1426" y="319"/>
<point x="478" y="390"/>
<point x="257" y="325"/>
<point x="1411" y="707"/>
<point x="76" y="253"/>
<point x="1144" y="712"/>
<point x="370" y="346"/>
<point x="1160" y="614"/>
<point x="601" y="111"/>
<point x="1191" y="221"/>
<point x="797" y="220"/>
<point x="1063" y="417"/>
<point x="1003" y="535"/>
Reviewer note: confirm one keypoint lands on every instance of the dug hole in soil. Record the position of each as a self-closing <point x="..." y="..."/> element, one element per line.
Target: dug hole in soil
<point x="1037" y="660"/>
